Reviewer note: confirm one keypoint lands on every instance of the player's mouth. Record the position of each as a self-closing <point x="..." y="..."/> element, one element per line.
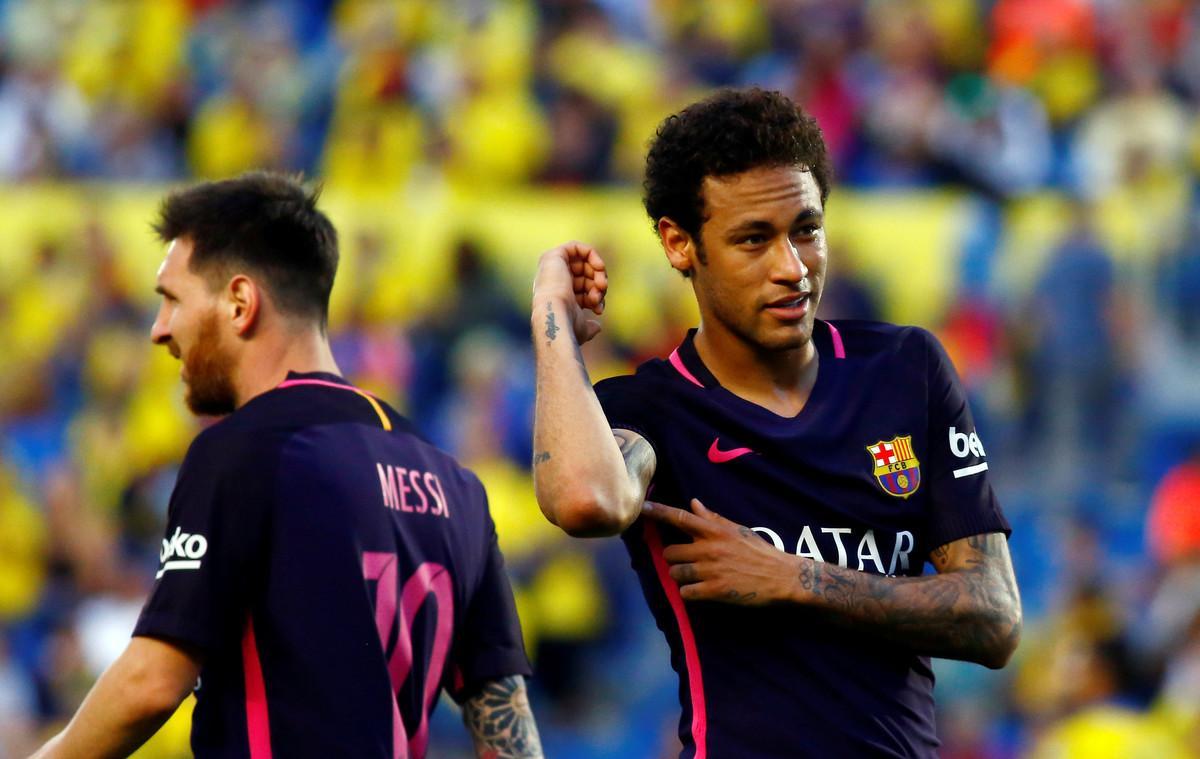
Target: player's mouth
<point x="791" y="308"/>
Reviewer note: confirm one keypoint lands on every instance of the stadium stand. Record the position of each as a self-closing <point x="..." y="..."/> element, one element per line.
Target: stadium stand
<point x="1019" y="176"/>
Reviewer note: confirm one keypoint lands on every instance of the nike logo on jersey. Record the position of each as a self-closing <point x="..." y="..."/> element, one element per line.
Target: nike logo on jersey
<point x="717" y="456"/>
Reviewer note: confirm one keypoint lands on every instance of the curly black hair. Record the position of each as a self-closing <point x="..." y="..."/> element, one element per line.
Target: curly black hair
<point x="731" y="131"/>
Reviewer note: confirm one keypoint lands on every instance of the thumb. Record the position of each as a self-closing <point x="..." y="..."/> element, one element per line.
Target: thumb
<point x="591" y="328"/>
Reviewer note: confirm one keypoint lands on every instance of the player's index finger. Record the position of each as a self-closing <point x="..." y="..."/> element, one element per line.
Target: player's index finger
<point x="684" y="520"/>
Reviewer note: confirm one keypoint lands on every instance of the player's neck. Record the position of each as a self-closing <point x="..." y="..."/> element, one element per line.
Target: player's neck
<point x="266" y="365"/>
<point x="779" y="380"/>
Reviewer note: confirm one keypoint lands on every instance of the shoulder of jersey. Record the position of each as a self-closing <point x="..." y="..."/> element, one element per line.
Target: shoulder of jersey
<point x="646" y="378"/>
<point x="226" y="440"/>
<point x="867" y="339"/>
<point x="283" y="412"/>
<point x="274" y="414"/>
<point x="401" y="425"/>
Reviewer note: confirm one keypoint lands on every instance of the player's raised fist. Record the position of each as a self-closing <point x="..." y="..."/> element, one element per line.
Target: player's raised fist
<point x="573" y="275"/>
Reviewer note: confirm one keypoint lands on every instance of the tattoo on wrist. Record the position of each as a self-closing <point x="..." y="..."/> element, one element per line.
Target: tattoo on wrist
<point x="552" y="327"/>
<point x="541" y="456"/>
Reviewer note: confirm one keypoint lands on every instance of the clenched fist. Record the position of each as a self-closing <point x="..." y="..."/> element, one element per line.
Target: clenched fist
<point x="572" y="275"/>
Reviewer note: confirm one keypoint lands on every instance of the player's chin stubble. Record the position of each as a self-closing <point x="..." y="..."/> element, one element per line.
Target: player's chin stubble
<point x="209" y="373"/>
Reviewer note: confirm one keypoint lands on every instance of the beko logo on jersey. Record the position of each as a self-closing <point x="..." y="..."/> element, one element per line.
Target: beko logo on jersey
<point x="181" y="551"/>
<point x="963" y="445"/>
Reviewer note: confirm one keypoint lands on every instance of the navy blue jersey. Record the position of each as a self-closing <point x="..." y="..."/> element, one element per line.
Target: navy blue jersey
<point x="336" y="571"/>
<point x="880" y="467"/>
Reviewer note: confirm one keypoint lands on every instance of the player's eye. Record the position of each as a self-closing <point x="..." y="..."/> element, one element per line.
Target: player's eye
<point x="808" y="230"/>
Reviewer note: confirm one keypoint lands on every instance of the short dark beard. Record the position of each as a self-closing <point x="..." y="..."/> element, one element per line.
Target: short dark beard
<point x="209" y="383"/>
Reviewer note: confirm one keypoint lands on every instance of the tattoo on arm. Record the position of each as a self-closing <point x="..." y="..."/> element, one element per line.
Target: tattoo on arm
<point x="637" y="452"/>
<point x="971" y="610"/>
<point x="552" y="330"/>
<point x="541" y="456"/>
<point x="500" y="721"/>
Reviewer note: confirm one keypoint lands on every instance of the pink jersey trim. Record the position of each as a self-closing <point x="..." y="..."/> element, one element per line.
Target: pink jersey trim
<point x="258" y="724"/>
<point x="677" y="362"/>
<point x="383" y="418"/>
<point x="691" y="656"/>
<point x="325" y="383"/>
<point x="839" y="349"/>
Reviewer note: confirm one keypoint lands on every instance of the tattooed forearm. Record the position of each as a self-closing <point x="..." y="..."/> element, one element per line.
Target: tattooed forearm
<point x="971" y="610"/>
<point x="540" y="457"/>
<point x="551" y="334"/>
<point x="500" y="721"/>
<point x="636" y="450"/>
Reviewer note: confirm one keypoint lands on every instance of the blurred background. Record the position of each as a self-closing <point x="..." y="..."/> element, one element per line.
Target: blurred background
<point x="1019" y="176"/>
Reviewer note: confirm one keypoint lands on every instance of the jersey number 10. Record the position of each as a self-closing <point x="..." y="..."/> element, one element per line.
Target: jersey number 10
<point x="429" y="579"/>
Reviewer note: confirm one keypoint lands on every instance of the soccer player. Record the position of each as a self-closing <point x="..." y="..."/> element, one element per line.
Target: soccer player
<point x="802" y="472"/>
<point x="325" y="571"/>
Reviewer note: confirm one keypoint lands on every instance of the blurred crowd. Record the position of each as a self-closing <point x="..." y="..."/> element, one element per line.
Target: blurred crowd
<point x="1020" y="176"/>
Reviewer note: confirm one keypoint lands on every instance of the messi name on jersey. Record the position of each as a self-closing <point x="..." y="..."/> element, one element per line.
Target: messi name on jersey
<point x="896" y="466"/>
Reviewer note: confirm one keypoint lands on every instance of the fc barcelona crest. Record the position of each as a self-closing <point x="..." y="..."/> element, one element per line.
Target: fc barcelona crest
<point x="896" y="466"/>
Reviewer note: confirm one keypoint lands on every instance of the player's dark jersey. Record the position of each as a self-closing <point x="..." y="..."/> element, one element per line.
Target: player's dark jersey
<point x="880" y="467"/>
<point x="336" y="571"/>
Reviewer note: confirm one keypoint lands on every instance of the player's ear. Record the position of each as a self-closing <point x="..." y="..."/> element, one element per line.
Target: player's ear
<point x="244" y="301"/>
<point x="678" y="245"/>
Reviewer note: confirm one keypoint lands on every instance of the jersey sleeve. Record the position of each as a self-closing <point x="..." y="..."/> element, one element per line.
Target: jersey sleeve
<point x="490" y="644"/>
<point x="961" y="496"/>
<point x="625" y="407"/>
<point x="212" y="551"/>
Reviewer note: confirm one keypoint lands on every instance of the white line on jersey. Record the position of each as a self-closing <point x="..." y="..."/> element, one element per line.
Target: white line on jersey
<point x="969" y="470"/>
<point x="186" y="564"/>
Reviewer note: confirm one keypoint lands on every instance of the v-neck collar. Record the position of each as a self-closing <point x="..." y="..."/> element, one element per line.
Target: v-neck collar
<point x="686" y="360"/>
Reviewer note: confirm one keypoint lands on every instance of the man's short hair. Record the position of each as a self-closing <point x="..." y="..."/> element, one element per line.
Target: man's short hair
<point x="265" y="224"/>
<point x="732" y="131"/>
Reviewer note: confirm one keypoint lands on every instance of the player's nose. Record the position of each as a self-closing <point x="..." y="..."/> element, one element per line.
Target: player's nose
<point x="159" y="333"/>
<point x="789" y="263"/>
